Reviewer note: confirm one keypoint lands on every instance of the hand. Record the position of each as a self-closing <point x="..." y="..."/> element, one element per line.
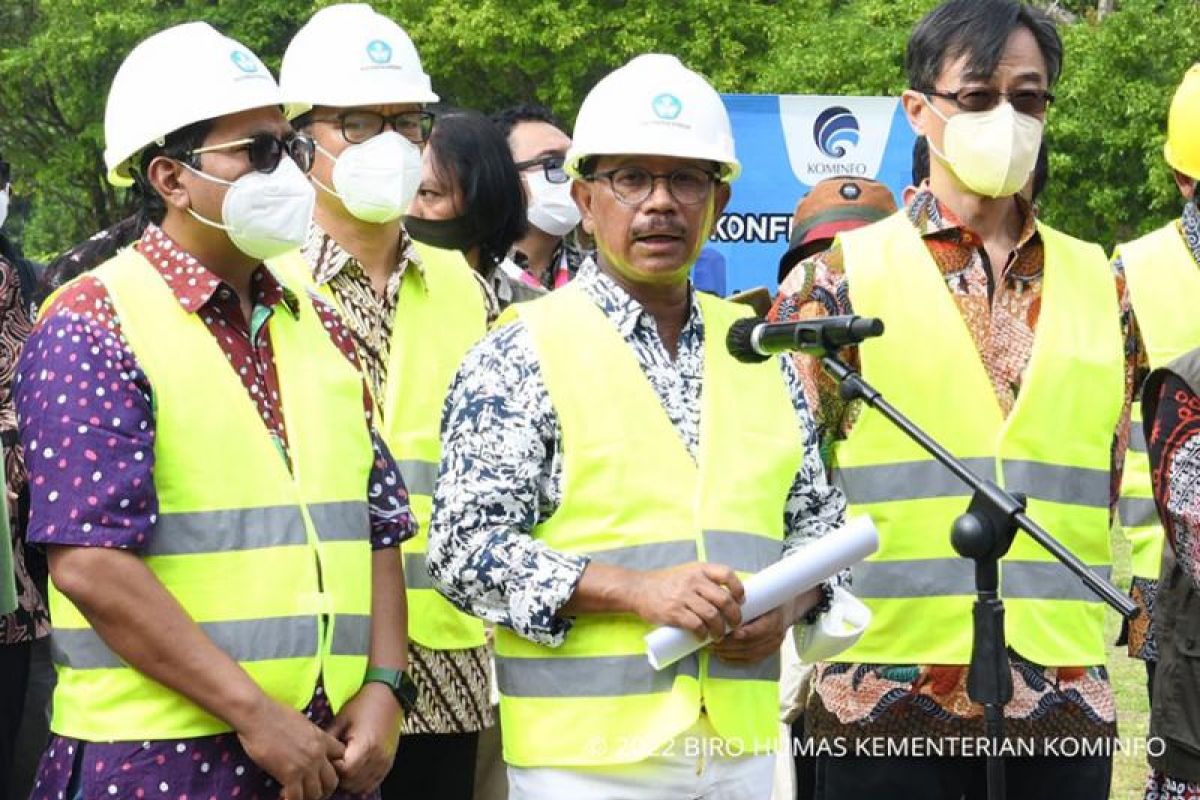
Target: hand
<point x="370" y="726"/>
<point x="292" y="750"/>
<point x="700" y="597"/>
<point x="755" y="640"/>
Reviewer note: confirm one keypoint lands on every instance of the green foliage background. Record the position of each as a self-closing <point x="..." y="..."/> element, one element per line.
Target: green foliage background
<point x="1108" y="180"/>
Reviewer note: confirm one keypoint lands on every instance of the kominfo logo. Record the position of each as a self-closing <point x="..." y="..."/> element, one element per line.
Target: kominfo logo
<point x="379" y="51"/>
<point x="667" y="106"/>
<point x="244" y="61"/>
<point x="834" y="129"/>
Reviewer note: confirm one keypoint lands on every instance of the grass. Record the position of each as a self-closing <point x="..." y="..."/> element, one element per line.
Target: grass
<point x="1129" y="687"/>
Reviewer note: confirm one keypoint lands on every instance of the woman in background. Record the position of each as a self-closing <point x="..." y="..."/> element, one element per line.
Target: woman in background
<point x="471" y="199"/>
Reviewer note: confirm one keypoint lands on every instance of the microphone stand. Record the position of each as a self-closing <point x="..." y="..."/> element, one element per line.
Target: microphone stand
<point x="984" y="533"/>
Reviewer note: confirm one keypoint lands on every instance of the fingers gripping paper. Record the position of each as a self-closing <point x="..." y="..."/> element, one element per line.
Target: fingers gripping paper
<point x="777" y="584"/>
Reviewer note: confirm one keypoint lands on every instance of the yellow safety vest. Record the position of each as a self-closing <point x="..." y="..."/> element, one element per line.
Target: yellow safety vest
<point x="274" y="566"/>
<point x="1054" y="446"/>
<point x="438" y="318"/>
<point x="633" y="496"/>
<point x="1164" y="286"/>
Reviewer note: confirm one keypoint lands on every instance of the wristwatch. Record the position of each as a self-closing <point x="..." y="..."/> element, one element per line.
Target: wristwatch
<point x="402" y="686"/>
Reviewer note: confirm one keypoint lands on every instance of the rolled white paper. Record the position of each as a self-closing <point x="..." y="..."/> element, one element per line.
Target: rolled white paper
<point x="777" y="584"/>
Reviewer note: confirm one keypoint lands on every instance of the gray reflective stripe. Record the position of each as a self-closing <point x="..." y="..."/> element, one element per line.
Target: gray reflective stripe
<point x="1137" y="437"/>
<point x="943" y="577"/>
<point x="419" y="476"/>
<point x="1137" y="512"/>
<point x="765" y="670"/>
<point x="596" y="676"/>
<point x="906" y="480"/>
<point x="916" y="480"/>
<point x="351" y="635"/>
<point x="931" y="577"/>
<point x="1079" y="486"/>
<point x="1046" y="580"/>
<point x="654" y="555"/>
<point x="745" y="552"/>
<point x="227" y="530"/>
<point x="416" y="572"/>
<point x="244" y="640"/>
<point x="347" y="521"/>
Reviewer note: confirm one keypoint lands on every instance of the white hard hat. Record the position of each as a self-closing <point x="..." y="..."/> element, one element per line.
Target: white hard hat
<point x="176" y="77"/>
<point x="654" y="105"/>
<point x="351" y="55"/>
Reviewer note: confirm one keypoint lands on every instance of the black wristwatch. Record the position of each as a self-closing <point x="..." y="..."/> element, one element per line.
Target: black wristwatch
<point x="402" y="686"/>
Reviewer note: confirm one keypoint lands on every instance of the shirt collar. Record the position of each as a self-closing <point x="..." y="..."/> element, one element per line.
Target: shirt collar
<point x="194" y="285"/>
<point x="328" y="258"/>
<point x="625" y="312"/>
<point x="933" y="218"/>
<point x="1189" y="224"/>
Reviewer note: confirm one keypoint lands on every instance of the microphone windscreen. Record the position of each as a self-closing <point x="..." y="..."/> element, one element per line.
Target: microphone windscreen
<point x="740" y="341"/>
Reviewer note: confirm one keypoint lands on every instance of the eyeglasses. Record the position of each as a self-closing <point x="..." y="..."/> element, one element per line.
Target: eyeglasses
<point x="1024" y="101"/>
<point x="552" y="165"/>
<point x="632" y="185"/>
<point x="359" y="126"/>
<point x="266" y="150"/>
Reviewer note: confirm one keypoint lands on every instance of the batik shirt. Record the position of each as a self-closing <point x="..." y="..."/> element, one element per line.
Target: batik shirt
<point x="502" y="465"/>
<point x="453" y="684"/>
<point x="1001" y="313"/>
<point x="87" y="420"/>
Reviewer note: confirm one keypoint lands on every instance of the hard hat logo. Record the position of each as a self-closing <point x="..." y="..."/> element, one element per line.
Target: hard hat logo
<point x="667" y="106"/>
<point x="244" y="61"/>
<point x="379" y="51"/>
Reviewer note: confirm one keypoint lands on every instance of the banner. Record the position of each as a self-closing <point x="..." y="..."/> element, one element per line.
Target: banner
<point x="788" y="143"/>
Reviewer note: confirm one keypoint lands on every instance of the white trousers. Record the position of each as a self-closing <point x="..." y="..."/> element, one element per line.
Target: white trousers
<point x="690" y="767"/>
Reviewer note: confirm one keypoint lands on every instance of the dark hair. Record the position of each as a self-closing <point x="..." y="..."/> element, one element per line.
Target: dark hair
<point x="978" y="29"/>
<point x="470" y="152"/>
<point x="508" y="118"/>
<point x="920" y="161"/>
<point x="176" y="145"/>
<point x="88" y="255"/>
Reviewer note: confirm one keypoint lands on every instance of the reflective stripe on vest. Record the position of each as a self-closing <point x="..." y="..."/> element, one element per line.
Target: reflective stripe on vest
<point x="645" y="507"/>
<point x="1164" y="287"/>
<point x="442" y="296"/>
<point x="273" y="566"/>
<point x="1054" y="446"/>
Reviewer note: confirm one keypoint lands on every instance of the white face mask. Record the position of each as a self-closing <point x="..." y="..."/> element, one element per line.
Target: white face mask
<point x="4" y="197"/>
<point x="551" y="207"/>
<point x="378" y="179"/>
<point x="992" y="153"/>
<point x="265" y="214"/>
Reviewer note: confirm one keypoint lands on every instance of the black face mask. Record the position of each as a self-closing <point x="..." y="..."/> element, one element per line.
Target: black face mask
<point x="456" y="233"/>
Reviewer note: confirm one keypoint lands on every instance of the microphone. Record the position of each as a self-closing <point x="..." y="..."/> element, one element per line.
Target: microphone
<point x="754" y="340"/>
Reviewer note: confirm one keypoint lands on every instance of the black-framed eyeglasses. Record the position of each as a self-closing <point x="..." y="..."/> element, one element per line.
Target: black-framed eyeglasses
<point x="632" y="185"/>
<point x="552" y="165"/>
<point x="983" y="98"/>
<point x="266" y="150"/>
<point x="359" y="126"/>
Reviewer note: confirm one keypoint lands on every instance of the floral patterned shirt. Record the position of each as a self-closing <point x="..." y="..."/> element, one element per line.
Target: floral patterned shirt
<point x="1175" y="466"/>
<point x="1001" y="313"/>
<point x="91" y="476"/>
<point x="502" y="466"/>
<point x="31" y="619"/>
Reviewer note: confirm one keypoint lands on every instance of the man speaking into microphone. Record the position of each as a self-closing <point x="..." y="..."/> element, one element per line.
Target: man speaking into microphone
<point x="1012" y="345"/>
<point x="608" y="467"/>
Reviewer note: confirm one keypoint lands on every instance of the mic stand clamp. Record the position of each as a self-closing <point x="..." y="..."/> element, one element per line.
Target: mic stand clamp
<point x="983" y="533"/>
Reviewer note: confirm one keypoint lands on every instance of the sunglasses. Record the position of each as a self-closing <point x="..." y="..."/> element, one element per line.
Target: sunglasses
<point x="1023" y="101"/>
<point x="266" y="150"/>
